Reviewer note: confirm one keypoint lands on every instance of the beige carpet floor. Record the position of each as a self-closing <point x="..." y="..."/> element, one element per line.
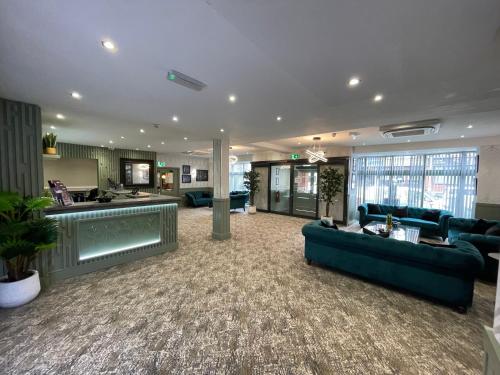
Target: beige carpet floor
<point x="249" y="305"/>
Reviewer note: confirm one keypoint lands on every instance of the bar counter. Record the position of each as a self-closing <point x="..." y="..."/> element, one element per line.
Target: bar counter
<point x="95" y="236"/>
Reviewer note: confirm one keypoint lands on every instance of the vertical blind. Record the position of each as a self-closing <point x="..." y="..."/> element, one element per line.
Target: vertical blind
<point x="442" y="181"/>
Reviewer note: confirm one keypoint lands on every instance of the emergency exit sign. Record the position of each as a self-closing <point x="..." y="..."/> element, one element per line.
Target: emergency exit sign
<point x="294" y="156"/>
<point x="161" y="164"/>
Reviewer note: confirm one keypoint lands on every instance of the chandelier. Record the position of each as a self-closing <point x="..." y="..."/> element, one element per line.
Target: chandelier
<point x="316" y="154"/>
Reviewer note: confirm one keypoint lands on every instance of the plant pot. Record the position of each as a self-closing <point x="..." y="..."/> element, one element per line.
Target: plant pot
<point x="328" y="220"/>
<point x="50" y="151"/>
<point x="252" y="210"/>
<point x="17" y="293"/>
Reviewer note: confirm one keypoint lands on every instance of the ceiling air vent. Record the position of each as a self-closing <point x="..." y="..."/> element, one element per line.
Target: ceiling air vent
<point x="410" y="129"/>
<point x="184" y="80"/>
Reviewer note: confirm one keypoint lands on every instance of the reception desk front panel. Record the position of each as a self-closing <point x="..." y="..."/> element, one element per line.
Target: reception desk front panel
<point x="90" y="240"/>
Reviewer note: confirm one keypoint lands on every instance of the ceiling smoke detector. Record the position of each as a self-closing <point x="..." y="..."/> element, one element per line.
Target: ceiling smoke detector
<point x="185" y="80"/>
<point x="411" y="129"/>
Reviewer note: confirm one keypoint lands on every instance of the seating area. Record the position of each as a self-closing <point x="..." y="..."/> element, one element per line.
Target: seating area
<point x="249" y="187"/>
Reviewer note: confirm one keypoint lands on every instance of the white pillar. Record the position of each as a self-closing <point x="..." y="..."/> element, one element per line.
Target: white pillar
<point x="221" y="221"/>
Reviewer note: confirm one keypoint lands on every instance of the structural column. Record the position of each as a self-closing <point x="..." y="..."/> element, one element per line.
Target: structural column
<point x="221" y="223"/>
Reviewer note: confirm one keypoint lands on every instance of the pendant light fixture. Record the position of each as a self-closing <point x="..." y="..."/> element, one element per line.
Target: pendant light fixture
<point x="316" y="154"/>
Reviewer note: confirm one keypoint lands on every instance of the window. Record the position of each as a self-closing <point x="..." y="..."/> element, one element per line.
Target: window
<point x="236" y="172"/>
<point x="443" y="181"/>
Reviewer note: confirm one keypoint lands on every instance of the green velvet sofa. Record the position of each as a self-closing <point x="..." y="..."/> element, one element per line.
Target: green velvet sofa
<point x="238" y="199"/>
<point x="441" y="274"/>
<point x="199" y="198"/>
<point x="414" y="218"/>
<point x="460" y="229"/>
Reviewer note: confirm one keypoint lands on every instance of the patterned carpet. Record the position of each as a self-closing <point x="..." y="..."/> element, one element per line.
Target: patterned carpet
<point x="249" y="305"/>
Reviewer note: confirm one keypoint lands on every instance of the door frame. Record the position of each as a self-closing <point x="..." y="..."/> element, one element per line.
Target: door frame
<point x="176" y="170"/>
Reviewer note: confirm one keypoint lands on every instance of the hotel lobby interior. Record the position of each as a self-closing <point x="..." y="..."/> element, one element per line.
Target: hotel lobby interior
<point x="249" y="187"/>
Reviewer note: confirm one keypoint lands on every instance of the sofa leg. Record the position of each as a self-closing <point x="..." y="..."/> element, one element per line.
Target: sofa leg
<point x="308" y="261"/>
<point x="462" y="309"/>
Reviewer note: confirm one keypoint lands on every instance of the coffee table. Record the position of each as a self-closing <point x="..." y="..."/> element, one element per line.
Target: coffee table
<point x="400" y="232"/>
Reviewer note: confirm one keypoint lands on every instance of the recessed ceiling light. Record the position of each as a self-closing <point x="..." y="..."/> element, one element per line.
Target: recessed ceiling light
<point x="409" y="140"/>
<point x="102" y="145"/>
<point x="76" y="95"/>
<point x="175" y="118"/>
<point x="52" y="127"/>
<point x="279" y="118"/>
<point x="110" y="142"/>
<point x="108" y="44"/>
<point x="299" y="143"/>
<point x="232" y="98"/>
<point x="162" y="142"/>
<point x="185" y="138"/>
<point x="354" y="81"/>
<point x="136" y="149"/>
<point x="122" y="137"/>
<point x="149" y="146"/>
<point x="470" y="126"/>
<point x="378" y="98"/>
<point x="462" y="136"/>
<point x="142" y="130"/>
<point x="60" y="116"/>
<point x="354" y="135"/>
<point x="222" y="130"/>
<point x="364" y="143"/>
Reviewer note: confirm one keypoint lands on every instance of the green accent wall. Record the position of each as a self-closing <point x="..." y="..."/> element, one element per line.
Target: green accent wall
<point x="108" y="160"/>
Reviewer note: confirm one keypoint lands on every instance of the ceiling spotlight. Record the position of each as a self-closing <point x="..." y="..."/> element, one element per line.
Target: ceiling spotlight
<point x="278" y="118"/>
<point x="108" y="44"/>
<point x="185" y="138"/>
<point x="364" y="143"/>
<point x="136" y="149"/>
<point x="76" y="95"/>
<point x="52" y="127"/>
<point x="354" y="135"/>
<point x="142" y="130"/>
<point x="102" y="145"/>
<point x="122" y="137"/>
<point x="175" y="119"/>
<point x="462" y="136"/>
<point x="299" y="143"/>
<point x="149" y="146"/>
<point x="232" y="98"/>
<point x="354" y="81"/>
<point x="409" y="140"/>
<point x="378" y="98"/>
<point x="470" y="126"/>
<point x="162" y="142"/>
<point x="222" y="130"/>
<point x="60" y="116"/>
<point x="110" y="142"/>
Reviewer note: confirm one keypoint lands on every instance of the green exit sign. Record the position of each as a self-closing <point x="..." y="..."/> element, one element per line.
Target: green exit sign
<point x="171" y="76"/>
<point x="161" y="164"/>
<point x="294" y="156"/>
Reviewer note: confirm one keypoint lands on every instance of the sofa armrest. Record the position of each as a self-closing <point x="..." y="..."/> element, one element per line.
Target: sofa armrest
<point x="481" y="240"/>
<point x="461" y="224"/>
<point x="444" y="219"/>
<point x="363" y="211"/>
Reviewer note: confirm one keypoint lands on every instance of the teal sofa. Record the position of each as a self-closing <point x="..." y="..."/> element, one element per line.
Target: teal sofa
<point x="199" y="198"/>
<point x="441" y="274"/>
<point x="461" y="230"/>
<point x="238" y="199"/>
<point x="414" y="218"/>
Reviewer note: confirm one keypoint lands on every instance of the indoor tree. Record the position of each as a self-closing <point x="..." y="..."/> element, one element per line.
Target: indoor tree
<point x="331" y="182"/>
<point x="251" y="180"/>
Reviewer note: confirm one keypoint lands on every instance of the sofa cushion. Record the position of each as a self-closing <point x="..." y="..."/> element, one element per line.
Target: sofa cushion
<point x="431" y="215"/>
<point x="374" y="209"/>
<point x="493" y="231"/>
<point x="419" y="223"/>
<point x="481" y="226"/>
<point x="206" y="194"/>
<point x="401" y="211"/>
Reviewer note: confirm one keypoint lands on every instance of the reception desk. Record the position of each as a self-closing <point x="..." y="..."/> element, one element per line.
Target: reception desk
<point x="93" y="235"/>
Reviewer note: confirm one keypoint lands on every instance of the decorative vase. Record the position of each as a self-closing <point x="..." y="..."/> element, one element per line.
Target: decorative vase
<point x="252" y="210"/>
<point x="17" y="293"/>
<point x="50" y="151"/>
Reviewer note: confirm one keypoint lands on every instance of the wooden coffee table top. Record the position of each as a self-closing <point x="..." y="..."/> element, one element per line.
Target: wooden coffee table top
<point x="401" y="232"/>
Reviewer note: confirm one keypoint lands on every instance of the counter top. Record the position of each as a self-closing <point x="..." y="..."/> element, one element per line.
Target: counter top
<point x="153" y="199"/>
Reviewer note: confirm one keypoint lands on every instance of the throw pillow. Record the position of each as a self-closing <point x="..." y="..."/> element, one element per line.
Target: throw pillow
<point x="481" y="226"/>
<point x="401" y="211"/>
<point x="374" y="209"/>
<point x="493" y="231"/>
<point x="205" y="195"/>
<point x="431" y="215"/>
<point x="333" y="226"/>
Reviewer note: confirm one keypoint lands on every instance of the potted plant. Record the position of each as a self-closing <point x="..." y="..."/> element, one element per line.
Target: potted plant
<point x="23" y="235"/>
<point x="49" y="144"/>
<point x="331" y="182"/>
<point x="251" y="182"/>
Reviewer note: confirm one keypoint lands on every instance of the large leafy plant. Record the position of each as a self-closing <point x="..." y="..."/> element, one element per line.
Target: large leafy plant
<point x="49" y="140"/>
<point x="331" y="182"/>
<point x="23" y="233"/>
<point x="251" y="181"/>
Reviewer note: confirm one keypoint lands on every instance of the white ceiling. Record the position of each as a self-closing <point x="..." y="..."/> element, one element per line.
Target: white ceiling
<point x="438" y="58"/>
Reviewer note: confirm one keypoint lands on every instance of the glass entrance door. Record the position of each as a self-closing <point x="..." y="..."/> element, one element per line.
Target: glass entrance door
<point x="280" y="188"/>
<point x="305" y="190"/>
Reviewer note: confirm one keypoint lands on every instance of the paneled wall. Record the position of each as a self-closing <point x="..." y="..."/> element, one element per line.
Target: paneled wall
<point x="177" y="160"/>
<point x="108" y="160"/>
<point x="20" y="147"/>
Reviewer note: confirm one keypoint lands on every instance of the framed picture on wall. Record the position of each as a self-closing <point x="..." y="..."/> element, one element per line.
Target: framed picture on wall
<point x="186" y="178"/>
<point x="202" y="175"/>
<point x="137" y="173"/>
<point x="186" y="169"/>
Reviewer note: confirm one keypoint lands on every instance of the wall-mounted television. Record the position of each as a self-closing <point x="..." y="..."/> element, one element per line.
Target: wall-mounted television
<point x="137" y="173"/>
